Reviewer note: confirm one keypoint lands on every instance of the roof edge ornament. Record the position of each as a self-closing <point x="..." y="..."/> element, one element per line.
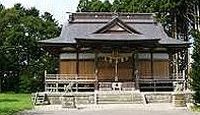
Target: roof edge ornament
<point x="115" y="15"/>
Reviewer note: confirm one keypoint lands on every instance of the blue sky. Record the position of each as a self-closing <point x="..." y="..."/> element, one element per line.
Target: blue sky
<point x="56" y="7"/>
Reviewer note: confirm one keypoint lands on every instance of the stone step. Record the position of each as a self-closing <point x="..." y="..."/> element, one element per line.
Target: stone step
<point x="159" y="98"/>
<point x="119" y="98"/>
<point x="39" y="99"/>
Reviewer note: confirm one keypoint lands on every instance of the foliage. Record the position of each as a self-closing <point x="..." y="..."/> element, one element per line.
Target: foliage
<point x="22" y="61"/>
<point x="94" y="6"/>
<point x="195" y="73"/>
<point x="12" y="103"/>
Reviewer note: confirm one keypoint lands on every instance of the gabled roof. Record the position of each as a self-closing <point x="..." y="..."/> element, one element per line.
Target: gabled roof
<point x="93" y="25"/>
<point x="116" y="22"/>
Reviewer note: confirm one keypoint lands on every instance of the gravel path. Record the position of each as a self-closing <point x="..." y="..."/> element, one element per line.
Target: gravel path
<point x="110" y="109"/>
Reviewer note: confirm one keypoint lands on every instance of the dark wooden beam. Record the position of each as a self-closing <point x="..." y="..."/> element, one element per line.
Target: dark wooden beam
<point x="170" y="64"/>
<point x="152" y="73"/>
<point x="77" y="65"/>
<point x="136" y="69"/>
<point x="96" y="68"/>
<point x="152" y="69"/>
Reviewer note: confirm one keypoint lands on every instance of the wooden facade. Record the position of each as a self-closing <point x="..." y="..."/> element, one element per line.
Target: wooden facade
<point x="106" y="70"/>
<point x="108" y="51"/>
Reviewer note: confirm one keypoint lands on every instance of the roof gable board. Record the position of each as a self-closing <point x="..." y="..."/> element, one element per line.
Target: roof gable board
<point x="116" y="25"/>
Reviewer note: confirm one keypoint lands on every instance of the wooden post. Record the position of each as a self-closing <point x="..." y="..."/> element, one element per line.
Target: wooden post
<point x="170" y="64"/>
<point x="116" y="70"/>
<point x="77" y="66"/>
<point x="133" y="64"/>
<point x="136" y="69"/>
<point x="116" y="64"/>
<point x="96" y="69"/>
<point x="152" y="73"/>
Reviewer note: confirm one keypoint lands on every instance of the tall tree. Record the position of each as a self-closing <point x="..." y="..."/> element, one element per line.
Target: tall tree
<point x="22" y="61"/>
<point x="195" y="72"/>
<point x="106" y="6"/>
<point x="195" y="75"/>
<point x="83" y="6"/>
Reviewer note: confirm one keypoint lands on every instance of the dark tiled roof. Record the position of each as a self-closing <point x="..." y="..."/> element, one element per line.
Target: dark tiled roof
<point x="82" y="25"/>
<point x="114" y="37"/>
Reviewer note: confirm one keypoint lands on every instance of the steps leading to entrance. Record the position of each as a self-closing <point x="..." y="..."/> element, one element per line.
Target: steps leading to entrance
<point x="40" y="99"/>
<point x="158" y="97"/>
<point x="119" y="97"/>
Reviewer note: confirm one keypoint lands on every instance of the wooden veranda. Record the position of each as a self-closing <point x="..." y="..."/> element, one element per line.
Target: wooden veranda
<point x="124" y="51"/>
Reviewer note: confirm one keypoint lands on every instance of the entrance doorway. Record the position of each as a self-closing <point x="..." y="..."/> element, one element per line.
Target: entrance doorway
<point x="115" y="66"/>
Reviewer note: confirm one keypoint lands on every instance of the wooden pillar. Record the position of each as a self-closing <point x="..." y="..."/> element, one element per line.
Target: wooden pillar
<point x="136" y="70"/>
<point x="152" y="70"/>
<point x="170" y="65"/>
<point x="116" y="70"/>
<point x="116" y="52"/>
<point x="96" y="69"/>
<point x="152" y="74"/>
<point x="133" y="64"/>
<point x="77" y="66"/>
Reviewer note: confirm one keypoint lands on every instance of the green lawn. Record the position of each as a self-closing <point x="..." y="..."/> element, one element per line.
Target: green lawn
<point x="11" y="103"/>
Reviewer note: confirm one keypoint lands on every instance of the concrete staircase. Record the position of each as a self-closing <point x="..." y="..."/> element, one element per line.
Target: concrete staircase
<point x="40" y="99"/>
<point x="158" y="97"/>
<point x="119" y="97"/>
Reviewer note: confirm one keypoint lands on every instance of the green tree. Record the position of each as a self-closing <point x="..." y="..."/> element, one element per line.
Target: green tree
<point x="22" y="61"/>
<point x="106" y="6"/>
<point x="195" y="75"/>
<point x="83" y="6"/>
<point x="115" y="6"/>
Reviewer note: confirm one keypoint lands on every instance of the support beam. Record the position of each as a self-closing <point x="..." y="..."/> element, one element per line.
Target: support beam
<point x="77" y="66"/>
<point x="170" y="64"/>
<point x="136" y="69"/>
<point x="96" y="69"/>
<point x="152" y="69"/>
<point x="133" y="65"/>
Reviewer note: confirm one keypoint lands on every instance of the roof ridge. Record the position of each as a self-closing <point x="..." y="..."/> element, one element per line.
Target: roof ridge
<point x="109" y="15"/>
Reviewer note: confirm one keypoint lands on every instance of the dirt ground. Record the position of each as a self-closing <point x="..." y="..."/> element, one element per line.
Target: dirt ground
<point x="110" y="109"/>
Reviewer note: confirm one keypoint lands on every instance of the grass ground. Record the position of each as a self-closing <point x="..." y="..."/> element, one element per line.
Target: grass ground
<point x="11" y="103"/>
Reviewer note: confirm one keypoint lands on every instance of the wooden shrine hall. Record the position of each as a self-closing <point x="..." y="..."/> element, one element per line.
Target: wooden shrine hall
<point x="116" y="51"/>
